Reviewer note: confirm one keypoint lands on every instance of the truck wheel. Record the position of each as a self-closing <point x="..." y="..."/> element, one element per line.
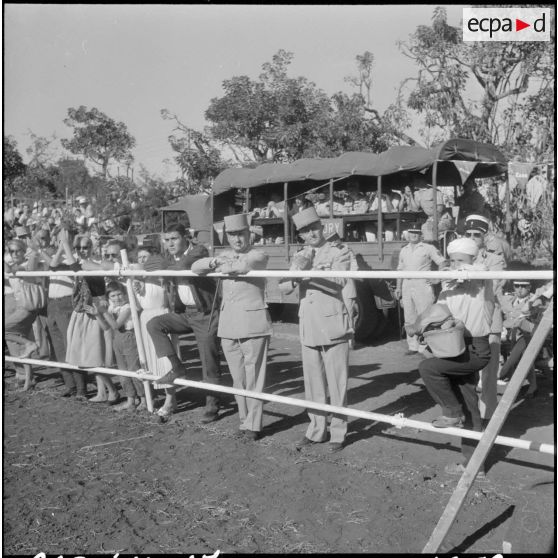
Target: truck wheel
<point x="369" y="321"/>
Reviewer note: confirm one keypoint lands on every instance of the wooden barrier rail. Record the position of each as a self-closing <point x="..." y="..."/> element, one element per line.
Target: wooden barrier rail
<point x="400" y="422"/>
<point x="380" y="274"/>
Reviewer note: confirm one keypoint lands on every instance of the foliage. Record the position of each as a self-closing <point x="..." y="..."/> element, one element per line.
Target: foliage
<point x="199" y="160"/>
<point x="12" y="163"/>
<point x="280" y="119"/>
<point x="99" y="138"/>
<point x="511" y="77"/>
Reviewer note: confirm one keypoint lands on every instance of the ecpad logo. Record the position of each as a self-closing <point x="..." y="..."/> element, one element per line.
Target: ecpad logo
<point x="506" y="24"/>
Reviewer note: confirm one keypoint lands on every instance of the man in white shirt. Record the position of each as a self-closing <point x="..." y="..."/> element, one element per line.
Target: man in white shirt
<point x="416" y="295"/>
<point x="195" y="303"/>
<point x="451" y="381"/>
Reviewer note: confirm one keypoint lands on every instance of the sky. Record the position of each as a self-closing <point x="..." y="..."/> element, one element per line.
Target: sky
<point x="131" y="61"/>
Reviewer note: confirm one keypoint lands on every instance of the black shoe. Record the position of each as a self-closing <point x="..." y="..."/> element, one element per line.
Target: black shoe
<point x="169" y="377"/>
<point x="209" y="416"/>
<point x="68" y="393"/>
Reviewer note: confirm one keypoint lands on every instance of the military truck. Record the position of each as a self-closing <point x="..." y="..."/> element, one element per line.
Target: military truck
<point x="375" y="237"/>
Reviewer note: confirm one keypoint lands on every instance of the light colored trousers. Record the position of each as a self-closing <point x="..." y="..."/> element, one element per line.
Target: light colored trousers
<point x="326" y="369"/>
<point x="416" y="296"/>
<point x="247" y="360"/>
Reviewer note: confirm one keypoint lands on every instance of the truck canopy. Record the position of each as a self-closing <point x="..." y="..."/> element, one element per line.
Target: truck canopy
<point x="489" y="162"/>
<point x="198" y="210"/>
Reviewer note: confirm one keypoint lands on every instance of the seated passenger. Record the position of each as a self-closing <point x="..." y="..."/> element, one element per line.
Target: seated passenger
<point x="300" y="204"/>
<point x="408" y="201"/>
<point x="387" y="206"/>
<point x="260" y="207"/>
<point x="322" y="205"/>
<point x="276" y="206"/>
<point x="356" y="203"/>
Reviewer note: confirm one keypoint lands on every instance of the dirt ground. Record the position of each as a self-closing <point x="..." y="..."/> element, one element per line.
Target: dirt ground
<point x="82" y="478"/>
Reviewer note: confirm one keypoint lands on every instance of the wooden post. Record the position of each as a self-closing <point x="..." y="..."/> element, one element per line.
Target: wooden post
<point x="137" y="331"/>
<point x="487" y="441"/>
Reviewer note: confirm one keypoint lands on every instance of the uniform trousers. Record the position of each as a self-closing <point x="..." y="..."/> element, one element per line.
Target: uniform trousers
<point x="326" y="369"/>
<point x="416" y="296"/>
<point x="205" y="332"/>
<point x="247" y="360"/>
<point x="452" y="384"/>
<point x="127" y="358"/>
<point x="59" y="312"/>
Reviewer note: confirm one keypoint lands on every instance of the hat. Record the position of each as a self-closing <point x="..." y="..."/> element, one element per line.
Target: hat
<point x="81" y="199"/>
<point x="522" y="283"/>
<point x="236" y="223"/>
<point x="155" y="262"/>
<point x="415" y="228"/>
<point x="477" y="222"/>
<point x="21" y="231"/>
<point x="305" y="217"/>
<point x="463" y="246"/>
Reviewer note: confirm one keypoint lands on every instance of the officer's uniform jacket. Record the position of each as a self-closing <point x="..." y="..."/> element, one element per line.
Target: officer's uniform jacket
<point x="419" y="257"/>
<point x="244" y="312"/>
<point x="519" y="316"/>
<point x="324" y="318"/>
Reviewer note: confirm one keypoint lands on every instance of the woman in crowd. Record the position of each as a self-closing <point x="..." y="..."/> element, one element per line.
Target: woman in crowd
<point x="86" y="339"/>
<point x="22" y="299"/>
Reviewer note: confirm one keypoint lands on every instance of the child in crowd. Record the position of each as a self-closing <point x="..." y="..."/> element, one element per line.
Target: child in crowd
<point x="118" y="317"/>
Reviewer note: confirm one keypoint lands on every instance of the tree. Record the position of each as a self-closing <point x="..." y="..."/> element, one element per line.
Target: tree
<point x="273" y="119"/>
<point x="281" y="119"/>
<point x="508" y="79"/>
<point x="12" y="163"/>
<point x="198" y="159"/>
<point x="73" y="178"/>
<point x="389" y="127"/>
<point x="97" y="137"/>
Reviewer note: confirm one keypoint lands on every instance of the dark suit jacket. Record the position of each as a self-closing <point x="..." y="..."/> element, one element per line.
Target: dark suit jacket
<point x="204" y="289"/>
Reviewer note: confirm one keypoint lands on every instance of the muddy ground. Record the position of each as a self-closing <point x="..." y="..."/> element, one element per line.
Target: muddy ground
<point x="82" y="478"/>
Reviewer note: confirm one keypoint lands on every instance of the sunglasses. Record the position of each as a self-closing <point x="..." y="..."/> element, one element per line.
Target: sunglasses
<point x="473" y="235"/>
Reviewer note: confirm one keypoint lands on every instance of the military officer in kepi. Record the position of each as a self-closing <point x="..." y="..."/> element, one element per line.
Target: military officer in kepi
<point x="325" y="328"/>
<point x="244" y="321"/>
